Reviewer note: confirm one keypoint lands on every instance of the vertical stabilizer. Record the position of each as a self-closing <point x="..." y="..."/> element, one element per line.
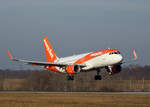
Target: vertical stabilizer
<point x="50" y="54"/>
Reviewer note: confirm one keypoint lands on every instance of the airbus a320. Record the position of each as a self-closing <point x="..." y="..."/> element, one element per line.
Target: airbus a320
<point x="110" y="59"/>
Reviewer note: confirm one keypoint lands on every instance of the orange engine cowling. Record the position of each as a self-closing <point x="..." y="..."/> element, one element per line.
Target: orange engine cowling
<point x="114" y="69"/>
<point x="73" y="69"/>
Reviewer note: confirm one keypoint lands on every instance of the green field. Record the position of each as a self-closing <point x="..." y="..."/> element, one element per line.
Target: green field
<point x="73" y="100"/>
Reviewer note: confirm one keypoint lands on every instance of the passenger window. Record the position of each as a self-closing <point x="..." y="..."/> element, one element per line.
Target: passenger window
<point x="114" y="53"/>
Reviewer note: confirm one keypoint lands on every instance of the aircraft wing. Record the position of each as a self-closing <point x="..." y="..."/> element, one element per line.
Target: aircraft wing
<point x="39" y="63"/>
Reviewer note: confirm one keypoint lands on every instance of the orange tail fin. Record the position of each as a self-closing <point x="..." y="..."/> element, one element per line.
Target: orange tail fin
<point x="50" y="54"/>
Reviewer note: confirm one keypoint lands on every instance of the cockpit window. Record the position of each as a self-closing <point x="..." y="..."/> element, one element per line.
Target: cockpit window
<point x="114" y="53"/>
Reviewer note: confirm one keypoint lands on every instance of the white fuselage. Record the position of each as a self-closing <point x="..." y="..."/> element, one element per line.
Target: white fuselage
<point x="97" y="62"/>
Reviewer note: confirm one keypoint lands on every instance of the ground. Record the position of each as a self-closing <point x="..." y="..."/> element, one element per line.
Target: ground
<point x="73" y="100"/>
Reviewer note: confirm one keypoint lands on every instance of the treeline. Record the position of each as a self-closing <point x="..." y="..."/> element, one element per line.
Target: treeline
<point x="132" y="78"/>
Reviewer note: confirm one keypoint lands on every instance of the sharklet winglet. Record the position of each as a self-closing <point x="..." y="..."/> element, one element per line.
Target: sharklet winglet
<point x="134" y="54"/>
<point x="9" y="55"/>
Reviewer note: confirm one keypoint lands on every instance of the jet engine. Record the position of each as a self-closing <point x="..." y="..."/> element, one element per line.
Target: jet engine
<point x="114" y="69"/>
<point x="73" y="69"/>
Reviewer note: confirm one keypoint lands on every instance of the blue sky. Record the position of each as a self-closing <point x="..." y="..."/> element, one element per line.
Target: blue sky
<point x="73" y="26"/>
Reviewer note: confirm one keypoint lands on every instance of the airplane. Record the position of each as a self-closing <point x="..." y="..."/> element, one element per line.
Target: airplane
<point x="110" y="59"/>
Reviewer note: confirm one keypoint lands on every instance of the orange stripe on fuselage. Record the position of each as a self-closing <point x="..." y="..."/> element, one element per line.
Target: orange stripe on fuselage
<point x="94" y="55"/>
<point x="85" y="58"/>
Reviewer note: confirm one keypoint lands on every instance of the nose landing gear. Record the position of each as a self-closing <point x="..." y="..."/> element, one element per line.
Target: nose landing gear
<point x="98" y="76"/>
<point x="70" y="77"/>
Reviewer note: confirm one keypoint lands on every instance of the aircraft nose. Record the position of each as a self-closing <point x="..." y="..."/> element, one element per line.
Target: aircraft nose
<point x="120" y="58"/>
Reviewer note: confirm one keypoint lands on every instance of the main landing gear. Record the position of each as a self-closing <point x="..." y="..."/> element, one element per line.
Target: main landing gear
<point x="98" y="76"/>
<point x="70" y="77"/>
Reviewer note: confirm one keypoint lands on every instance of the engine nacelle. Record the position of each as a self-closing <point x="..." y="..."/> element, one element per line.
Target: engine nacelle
<point x="114" y="69"/>
<point x="73" y="69"/>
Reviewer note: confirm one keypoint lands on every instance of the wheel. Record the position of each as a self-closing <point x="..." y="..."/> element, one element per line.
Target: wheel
<point x="110" y="73"/>
<point x="70" y="77"/>
<point x="98" y="77"/>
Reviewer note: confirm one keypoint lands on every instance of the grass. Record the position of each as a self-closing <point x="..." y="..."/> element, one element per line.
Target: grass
<point x="73" y="100"/>
<point x="13" y="84"/>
